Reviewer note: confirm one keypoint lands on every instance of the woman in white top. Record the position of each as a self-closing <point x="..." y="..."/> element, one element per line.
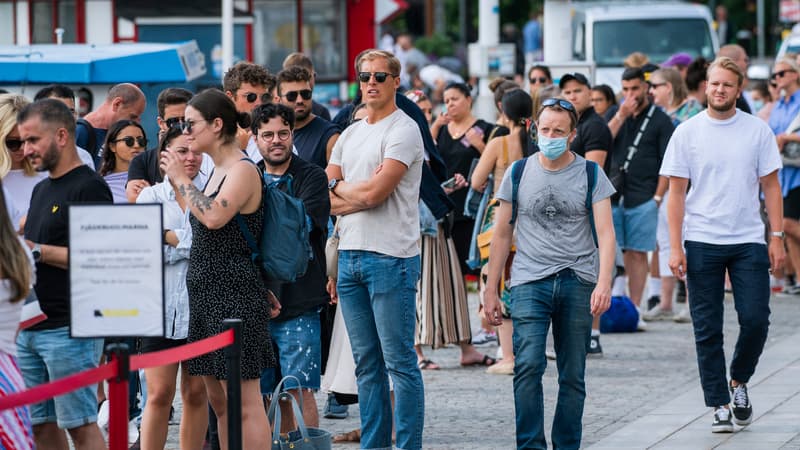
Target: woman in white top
<point x="16" y="269"/>
<point x="161" y="380"/>
<point x="18" y="174"/>
<point x="125" y="140"/>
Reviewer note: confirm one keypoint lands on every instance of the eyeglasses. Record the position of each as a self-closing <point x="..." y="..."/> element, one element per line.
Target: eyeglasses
<point x="380" y="77"/>
<point x="187" y="125"/>
<point x="269" y="136"/>
<point x="535" y="80"/>
<point x="174" y="122"/>
<point x="13" y="145"/>
<point x="130" y="141"/>
<point x="656" y="85"/>
<point x="560" y="102"/>
<point x="292" y="95"/>
<point x="780" y="74"/>
<point x="251" y="97"/>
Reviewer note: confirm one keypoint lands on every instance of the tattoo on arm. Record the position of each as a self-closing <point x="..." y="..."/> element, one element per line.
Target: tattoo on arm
<point x="224" y="203"/>
<point x="197" y="198"/>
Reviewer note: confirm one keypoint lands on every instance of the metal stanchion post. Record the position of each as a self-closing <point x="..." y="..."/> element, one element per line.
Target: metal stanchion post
<point x="118" y="398"/>
<point x="233" y="357"/>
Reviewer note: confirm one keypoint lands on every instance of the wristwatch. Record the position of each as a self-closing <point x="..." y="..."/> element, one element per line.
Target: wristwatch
<point x="36" y="251"/>
<point x="778" y="234"/>
<point x="332" y="184"/>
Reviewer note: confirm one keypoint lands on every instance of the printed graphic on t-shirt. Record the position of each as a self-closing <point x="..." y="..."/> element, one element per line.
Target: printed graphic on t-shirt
<point x="552" y="211"/>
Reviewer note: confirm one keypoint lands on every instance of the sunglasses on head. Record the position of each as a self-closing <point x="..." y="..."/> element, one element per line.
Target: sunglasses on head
<point x="292" y="95"/>
<point x="780" y="73"/>
<point x="130" y="141"/>
<point x="535" y="80"/>
<point x="174" y="122"/>
<point x="252" y="97"/>
<point x="13" y="145"/>
<point x="380" y="77"/>
<point x="560" y="102"/>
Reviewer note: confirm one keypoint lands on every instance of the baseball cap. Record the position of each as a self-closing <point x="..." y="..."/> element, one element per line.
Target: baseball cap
<point x="678" y="59"/>
<point x="647" y="70"/>
<point x="579" y="77"/>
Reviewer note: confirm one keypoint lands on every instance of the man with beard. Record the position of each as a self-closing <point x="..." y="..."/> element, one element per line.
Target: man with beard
<point x="299" y="353"/>
<point x="314" y="137"/>
<point x="45" y="351"/>
<point x="726" y="155"/>
<point x="641" y="131"/>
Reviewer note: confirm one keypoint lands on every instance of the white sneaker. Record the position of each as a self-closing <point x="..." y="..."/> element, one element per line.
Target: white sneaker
<point x="102" y="417"/>
<point x="684" y="316"/>
<point x="642" y="325"/>
<point x="499" y="354"/>
<point x="133" y="432"/>
<point x="657" y="313"/>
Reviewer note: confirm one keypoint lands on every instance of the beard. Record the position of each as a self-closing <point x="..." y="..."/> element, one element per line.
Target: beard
<point x="270" y="160"/>
<point x="299" y="117"/>
<point x="49" y="160"/>
<point x="723" y="107"/>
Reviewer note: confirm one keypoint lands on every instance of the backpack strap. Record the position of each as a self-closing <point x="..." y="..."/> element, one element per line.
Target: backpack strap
<point x="516" y="176"/>
<point x="255" y="253"/>
<point x="591" y="177"/>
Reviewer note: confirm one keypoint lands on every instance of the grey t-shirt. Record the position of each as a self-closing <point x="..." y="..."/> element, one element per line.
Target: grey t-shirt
<point x="553" y="231"/>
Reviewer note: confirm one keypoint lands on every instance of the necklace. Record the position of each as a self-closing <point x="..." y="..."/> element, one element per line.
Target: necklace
<point x="460" y="133"/>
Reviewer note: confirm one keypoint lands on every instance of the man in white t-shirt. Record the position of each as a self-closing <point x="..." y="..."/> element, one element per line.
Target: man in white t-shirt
<point x="374" y="172"/>
<point x="726" y="155"/>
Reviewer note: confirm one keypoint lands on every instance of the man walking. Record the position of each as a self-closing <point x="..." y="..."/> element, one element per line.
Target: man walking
<point x="554" y="276"/>
<point x="726" y="155"/>
<point x="46" y="352"/>
<point x="374" y="175"/>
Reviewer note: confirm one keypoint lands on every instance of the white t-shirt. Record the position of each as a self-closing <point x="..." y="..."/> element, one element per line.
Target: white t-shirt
<point x="391" y="228"/>
<point x="724" y="161"/>
<point x="21" y="186"/>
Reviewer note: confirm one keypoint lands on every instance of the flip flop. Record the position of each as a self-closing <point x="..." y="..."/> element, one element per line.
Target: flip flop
<point x="350" y="436"/>
<point x="486" y="361"/>
<point x="427" y="364"/>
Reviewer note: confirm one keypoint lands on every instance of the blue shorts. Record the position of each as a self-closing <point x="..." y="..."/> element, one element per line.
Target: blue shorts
<point x="297" y="341"/>
<point x="48" y="355"/>
<point x="636" y="227"/>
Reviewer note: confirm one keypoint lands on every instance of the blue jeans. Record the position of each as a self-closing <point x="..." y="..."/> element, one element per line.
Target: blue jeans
<point x="378" y="299"/>
<point x="299" y="353"/>
<point x="748" y="267"/>
<point x="562" y="299"/>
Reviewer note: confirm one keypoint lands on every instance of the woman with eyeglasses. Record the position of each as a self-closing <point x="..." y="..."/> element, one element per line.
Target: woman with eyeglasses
<point x="178" y="241"/>
<point x="223" y="280"/>
<point x="18" y="174"/>
<point x="16" y="277"/>
<point x="125" y="140"/>
<point x="670" y="93"/>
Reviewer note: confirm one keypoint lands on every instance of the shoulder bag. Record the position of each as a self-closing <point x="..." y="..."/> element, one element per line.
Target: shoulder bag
<point x="618" y="171"/>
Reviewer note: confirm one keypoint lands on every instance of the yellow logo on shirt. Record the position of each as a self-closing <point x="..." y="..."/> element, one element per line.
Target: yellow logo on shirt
<point x="55" y="208"/>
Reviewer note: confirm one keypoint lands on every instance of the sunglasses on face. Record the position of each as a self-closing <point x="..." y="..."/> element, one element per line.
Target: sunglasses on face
<point x="780" y="74"/>
<point x="269" y="136"/>
<point x="13" y="145"/>
<point x="656" y="85"/>
<point x="130" y="141"/>
<point x="535" y="80"/>
<point x="174" y="122"/>
<point x="305" y="94"/>
<point x="380" y="77"/>
<point x="251" y="97"/>
<point x="187" y="125"/>
<point x="560" y="102"/>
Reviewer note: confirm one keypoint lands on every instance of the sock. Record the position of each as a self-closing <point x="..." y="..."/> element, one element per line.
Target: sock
<point x="654" y="287"/>
<point x="620" y="284"/>
<point x="595" y="332"/>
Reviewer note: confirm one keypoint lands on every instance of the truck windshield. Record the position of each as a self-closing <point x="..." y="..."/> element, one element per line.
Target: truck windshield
<point x="656" y="38"/>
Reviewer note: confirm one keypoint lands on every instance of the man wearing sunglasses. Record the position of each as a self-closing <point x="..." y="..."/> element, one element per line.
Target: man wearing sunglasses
<point x="641" y="132"/>
<point x="124" y="101"/>
<point x="314" y="137"/>
<point x="302" y="60"/>
<point x="374" y="178"/>
<point x="247" y="84"/>
<point x="143" y="170"/>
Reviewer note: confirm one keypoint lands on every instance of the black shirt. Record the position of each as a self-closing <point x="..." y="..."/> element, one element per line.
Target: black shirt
<point x="310" y="184"/>
<point x="318" y="109"/>
<point x="641" y="179"/>
<point x="593" y="134"/>
<point x="145" y="167"/>
<point x="48" y="223"/>
<point x="311" y="141"/>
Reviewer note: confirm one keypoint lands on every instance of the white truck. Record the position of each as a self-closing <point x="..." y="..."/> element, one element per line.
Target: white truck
<point x="594" y="37"/>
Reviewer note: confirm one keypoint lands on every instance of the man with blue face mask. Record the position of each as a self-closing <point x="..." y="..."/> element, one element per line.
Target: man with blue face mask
<point x="560" y="274"/>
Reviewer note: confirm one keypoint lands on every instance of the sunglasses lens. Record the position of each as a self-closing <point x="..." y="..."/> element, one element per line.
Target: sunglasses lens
<point x="380" y="77"/>
<point x="363" y="77"/>
<point x="142" y="141"/>
<point x="13" y="144"/>
<point x="251" y="97"/>
<point x="306" y="94"/>
<point x="291" y="96"/>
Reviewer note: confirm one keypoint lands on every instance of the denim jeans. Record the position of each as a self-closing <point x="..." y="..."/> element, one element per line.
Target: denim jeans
<point x="562" y="299"/>
<point x="748" y="267"/>
<point x="377" y="294"/>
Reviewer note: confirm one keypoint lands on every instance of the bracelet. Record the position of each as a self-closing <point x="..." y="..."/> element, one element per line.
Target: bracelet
<point x="658" y="198"/>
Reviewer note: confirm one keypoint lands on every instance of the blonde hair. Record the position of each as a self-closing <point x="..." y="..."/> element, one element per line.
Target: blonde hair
<point x="372" y="54"/>
<point x="723" y="62"/>
<point x="635" y="59"/>
<point x="674" y="79"/>
<point x="10" y="105"/>
<point x="14" y="263"/>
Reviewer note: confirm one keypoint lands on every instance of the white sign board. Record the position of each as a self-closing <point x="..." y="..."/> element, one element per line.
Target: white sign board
<point x="116" y="271"/>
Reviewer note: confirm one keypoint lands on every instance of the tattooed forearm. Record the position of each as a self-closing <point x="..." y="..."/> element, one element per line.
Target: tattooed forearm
<point x="224" y="203"/>
<point x="195" y="197"/>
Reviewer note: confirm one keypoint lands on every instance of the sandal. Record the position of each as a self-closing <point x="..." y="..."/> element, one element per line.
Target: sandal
<point x="427" y="364"/>
<point x="350" y="436"/>
<point x="486" y="361"/>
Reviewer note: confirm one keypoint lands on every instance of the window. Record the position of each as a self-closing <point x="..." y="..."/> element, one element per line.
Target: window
<point x="656" y="38"/>
<point x="47" y="15"/>
<point x="7" y="23"/>
<point x="274" y="32"/>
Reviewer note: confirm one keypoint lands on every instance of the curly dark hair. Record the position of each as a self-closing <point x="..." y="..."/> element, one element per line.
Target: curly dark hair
<point x="245" y="72"/>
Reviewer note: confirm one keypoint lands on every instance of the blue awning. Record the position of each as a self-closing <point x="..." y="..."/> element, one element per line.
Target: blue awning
<point x="101" y="64"/>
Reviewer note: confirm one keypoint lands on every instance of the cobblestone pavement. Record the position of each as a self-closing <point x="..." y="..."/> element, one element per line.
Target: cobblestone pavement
<point x="466" y="408"/>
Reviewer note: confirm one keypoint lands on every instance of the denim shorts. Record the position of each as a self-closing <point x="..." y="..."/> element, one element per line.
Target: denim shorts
<point x="297" y="341"/>
<point x="636" y="227"/>
<point x="48" y="355"/>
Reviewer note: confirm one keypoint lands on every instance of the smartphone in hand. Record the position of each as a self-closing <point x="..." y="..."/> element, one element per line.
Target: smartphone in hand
<point x="449" y="184"/>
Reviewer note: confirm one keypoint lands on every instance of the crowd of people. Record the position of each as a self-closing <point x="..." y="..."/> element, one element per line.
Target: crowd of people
<point x="572" y="195"/>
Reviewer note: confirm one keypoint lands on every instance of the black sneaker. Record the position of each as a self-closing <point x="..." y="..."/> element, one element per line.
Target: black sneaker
<point x="652" y="302"/>
<point x="722" y="420"/>
<point x="594" y="350"/>
<point x="742" y="409"/>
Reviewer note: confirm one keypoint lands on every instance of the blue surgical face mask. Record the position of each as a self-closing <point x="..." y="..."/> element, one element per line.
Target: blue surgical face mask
<point x="758" y="104"/>
<point x="552" y="148"/>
